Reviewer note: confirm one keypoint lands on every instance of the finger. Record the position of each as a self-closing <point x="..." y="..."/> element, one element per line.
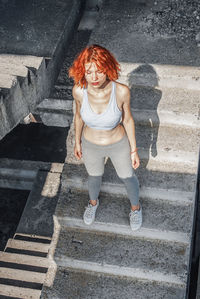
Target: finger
<point x="133" y="164"/>
<point x="136" y="164"/>
<point x="79" y="155"/>
<point x="76" y="155"/>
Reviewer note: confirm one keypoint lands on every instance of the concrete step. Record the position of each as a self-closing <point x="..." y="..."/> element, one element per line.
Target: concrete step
<point x="62" y="91"/>
<point x="27" y="276"/>
<point x="93" y="280"/>
<point x="162" y="214"/>
<point x="158" y="105"/>
<point x="23" y="259"/>
<point x="122" y="250"/>
<point x="17" y="178"/>
<point x="24" y="78"/>
<point x="55" y="112"/>
<point x="23" y="266"/>
<point x="55" y="104"/>
<point x="20" y="174"/>
<point x="43" y="197"/>
<point x="30" y="165"/>
<point x="120" y="230"/>
<point x="157" y="75"/>
<point x="27" y="246"/>
<point x="162" y="118"/>
<point x="27" y="84"/>
<point x="19" y="292"/>
<point x="180" y="101"/>
<point x="169" y="139"/>
<point x="151" y="175"/>
<point x="141" y="46"/>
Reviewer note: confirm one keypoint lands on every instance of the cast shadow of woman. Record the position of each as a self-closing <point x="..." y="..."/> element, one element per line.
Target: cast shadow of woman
<point x="145" y="98"/>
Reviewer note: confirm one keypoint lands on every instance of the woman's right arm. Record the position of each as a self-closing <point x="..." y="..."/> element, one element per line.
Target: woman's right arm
<point x="78" y="124"/>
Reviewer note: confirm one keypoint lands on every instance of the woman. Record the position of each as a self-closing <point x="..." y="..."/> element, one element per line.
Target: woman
<point x="104" y="127"/>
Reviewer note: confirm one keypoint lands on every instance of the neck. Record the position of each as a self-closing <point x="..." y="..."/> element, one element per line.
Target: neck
<point x="99" y="89"/>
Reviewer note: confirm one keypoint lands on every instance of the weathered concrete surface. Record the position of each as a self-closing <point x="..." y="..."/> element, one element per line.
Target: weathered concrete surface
<point x="21" y="174"/>
<point x="25" y="88"/>
<point x="81" y="284"/>
<point x="37" y="218"/>
<point x="56" y="109"/>
<point x="177" y="100"/>
<point x="148" y="177"/>
<point x="55" y="112"/>
<point x="159" y="75"/>
<point x="166" y="257"/>
<point x="93" y="267"/>
<point x="27" y="30"/>
<point x="166" y="215"/>
<point x="120" y="29"/>
<point x="34" y="27"/>
<point x="82" y="250"/>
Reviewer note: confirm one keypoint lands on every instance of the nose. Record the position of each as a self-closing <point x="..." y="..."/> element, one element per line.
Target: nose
<point x="94" y="76"/>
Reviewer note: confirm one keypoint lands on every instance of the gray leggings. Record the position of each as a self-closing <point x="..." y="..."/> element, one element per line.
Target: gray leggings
<point x="119" y="153"/>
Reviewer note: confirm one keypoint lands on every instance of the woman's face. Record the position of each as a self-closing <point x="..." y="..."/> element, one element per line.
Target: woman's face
<point x="93" y="76"/>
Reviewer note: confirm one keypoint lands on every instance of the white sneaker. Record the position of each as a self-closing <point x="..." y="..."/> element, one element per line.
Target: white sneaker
<point x="136" y="219"/>
<point x="89" y="214"/>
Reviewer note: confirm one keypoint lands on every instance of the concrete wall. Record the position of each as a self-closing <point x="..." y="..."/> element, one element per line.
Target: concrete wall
<point x="34" y="37"/>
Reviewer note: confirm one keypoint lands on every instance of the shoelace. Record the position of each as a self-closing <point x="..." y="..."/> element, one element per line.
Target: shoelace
<point x="134" y="216"/>
<point x="89" y="210"/>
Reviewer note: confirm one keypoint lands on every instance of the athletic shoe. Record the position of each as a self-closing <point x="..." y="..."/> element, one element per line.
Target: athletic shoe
<point x="136" y="219"/>
<point x="89" y="214"/>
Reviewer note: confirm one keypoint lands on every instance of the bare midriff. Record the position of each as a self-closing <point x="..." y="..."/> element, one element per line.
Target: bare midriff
<point x="103" y="137"/>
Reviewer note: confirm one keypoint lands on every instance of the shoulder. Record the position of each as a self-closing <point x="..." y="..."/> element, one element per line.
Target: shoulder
<point x="77" y="93"/>
<point x="122" y="91"/>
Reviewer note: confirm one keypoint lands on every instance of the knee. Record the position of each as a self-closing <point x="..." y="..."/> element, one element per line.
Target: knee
<point x="94" y="171"/>
<point x="95" y="177"/>
<point x="131" y="181"/>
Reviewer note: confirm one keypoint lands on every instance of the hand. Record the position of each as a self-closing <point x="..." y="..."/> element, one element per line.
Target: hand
<point x="78" y="151"/>
<point x="135" y="160"/>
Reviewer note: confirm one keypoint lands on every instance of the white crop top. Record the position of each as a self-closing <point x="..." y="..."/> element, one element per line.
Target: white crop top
<point x="107" y="120"/>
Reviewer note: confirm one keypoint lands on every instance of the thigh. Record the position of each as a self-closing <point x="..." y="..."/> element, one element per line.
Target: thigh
<point x="93" y="158"/>
<point x="121" y="159"/>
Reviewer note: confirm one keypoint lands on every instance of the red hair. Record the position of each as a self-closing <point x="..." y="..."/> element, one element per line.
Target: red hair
<point x="103" y="59"/>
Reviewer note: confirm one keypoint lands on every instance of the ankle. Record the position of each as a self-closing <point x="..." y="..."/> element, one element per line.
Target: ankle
<point x="93" y="202"/>
<point x="135" y="208"/>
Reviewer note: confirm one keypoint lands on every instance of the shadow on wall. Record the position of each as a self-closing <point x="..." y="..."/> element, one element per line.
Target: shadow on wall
<point x="145" y="98"/>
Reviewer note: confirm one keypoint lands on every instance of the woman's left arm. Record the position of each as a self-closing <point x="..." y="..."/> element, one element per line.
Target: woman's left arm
<point x="129" y="125"/>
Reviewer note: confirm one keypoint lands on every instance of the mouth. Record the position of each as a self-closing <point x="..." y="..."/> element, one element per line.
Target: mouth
<point x="95" y="83"/>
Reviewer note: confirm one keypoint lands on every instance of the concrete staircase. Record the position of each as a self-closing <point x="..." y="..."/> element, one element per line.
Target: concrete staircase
<point x="107" y="259"/>
<point x="23" y="266"/>
<point x="31" y="53"/>
<point x="56" y="110"/>
<point x="26" y="261"/>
